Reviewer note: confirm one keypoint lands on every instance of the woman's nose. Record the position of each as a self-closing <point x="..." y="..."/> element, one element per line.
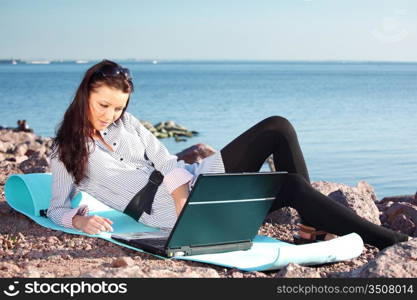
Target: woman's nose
<point x="109" y="114"/>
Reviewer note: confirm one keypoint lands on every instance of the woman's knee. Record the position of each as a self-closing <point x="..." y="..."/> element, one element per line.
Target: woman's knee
<point x="279" y="124"/>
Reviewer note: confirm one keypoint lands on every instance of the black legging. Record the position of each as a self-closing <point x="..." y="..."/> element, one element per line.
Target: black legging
<point x="275" y="135"/>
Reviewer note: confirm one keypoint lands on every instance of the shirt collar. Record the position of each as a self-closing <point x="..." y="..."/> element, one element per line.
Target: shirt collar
<point x="107" y="128"/>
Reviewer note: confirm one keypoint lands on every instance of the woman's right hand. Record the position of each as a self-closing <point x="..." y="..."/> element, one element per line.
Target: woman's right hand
<point x="92" y="224"/>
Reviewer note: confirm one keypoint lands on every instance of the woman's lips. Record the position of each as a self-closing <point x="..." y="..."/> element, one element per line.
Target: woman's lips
<point x="104" y="123"/>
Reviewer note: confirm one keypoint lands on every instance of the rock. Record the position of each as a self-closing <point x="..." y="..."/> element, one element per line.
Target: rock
<point x="297" y="271"/>
<point x="365" y="188"/>
<point x="5" y="209"/>
<point x="285" y="215"/>
<point x="4" y="146"/>
<point x="195" y="153"/>
<point x="122" y="262"/>
<point x="21" y="149"/>
<point x="235" y="273"/>
<point x="404" y="224"/>
<point x="36" y="148"/>
<point x="168" y="129"/>
<point x="20" y="159"/>
<point x="360" y="199"/>
<point x="402" y="216"/>
<point x="402" y="198"/>
<point x="35" y="164"/>
<point x="178" y="139"/>
<point x="186" y="272"/>
<point x="9" y="267"/>
<point x="31" y="272"/>
<point x="397" y="261"/>
<point x="53" y="239"/>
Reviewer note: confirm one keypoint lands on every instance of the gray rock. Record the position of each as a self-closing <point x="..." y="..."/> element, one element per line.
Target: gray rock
<point x="404" y="224"/>
<point x="297" y="271"/>
<point x="285" y="215"/>
<point x="402" y="198"/>
<point x="397" y="261"/>
<point x="5" y="209"/>
<point x="36" y="147"/>
<point x="402" y="216"/>
<point x="360" y="199"/>
<point x="35" y="164"/>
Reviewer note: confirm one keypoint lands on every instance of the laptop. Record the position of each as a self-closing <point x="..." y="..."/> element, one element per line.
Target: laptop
<point x="223" y="213"/>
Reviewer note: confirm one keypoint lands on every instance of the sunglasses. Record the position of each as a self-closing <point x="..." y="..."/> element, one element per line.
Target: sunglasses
<point x="113" y="71"/>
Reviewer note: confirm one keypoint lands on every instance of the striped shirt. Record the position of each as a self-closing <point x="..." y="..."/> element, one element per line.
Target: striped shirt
<point x="114" y="177"/>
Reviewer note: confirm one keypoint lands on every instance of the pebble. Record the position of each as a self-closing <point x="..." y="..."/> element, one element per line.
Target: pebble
<point x="10" y="267"/>
<point x="122" y="262"/>
<point x="53" y="239"/>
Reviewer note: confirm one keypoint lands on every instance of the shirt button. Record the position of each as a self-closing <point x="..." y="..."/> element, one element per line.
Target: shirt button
<point x="114" y="144"/>
<point x="105" y="133"/>
<point x="121" y="158"/>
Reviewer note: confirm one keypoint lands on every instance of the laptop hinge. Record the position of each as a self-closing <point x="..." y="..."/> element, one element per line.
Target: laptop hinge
<point x="209" y="249"/>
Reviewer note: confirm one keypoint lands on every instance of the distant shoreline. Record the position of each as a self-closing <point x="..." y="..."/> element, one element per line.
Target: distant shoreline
<point x="7" y="61"/>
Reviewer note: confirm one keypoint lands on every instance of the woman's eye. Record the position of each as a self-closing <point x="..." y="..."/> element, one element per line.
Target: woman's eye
<point x="102" y="105"/>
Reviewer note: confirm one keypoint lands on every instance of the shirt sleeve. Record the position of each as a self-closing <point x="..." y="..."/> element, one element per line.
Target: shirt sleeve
<point x="174" y="172"/>
<point x="63" y="188"/>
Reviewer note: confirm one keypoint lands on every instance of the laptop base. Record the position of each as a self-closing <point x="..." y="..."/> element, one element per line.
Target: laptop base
<point x="158" y="246"/>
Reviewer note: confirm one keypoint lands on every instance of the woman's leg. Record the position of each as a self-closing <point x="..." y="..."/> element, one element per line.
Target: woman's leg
<point x="326" y="214"/>
<point x="274" y="135"/>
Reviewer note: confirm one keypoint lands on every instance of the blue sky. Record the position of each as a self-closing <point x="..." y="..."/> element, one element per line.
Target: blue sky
<point x="375" y="30"/>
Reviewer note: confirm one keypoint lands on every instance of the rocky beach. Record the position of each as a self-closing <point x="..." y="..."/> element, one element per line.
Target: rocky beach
<point x="29" y="250"/>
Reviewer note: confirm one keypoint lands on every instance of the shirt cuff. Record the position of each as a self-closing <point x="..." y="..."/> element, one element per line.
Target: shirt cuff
<point x="82" y="210"/>
<point x="176" y="178"/>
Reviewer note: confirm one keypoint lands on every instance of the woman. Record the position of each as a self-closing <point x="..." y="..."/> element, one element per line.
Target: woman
<point x="105" y="151"/>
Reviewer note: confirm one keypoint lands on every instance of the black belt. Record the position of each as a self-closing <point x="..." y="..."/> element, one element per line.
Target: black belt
<point x="143" y="200"/>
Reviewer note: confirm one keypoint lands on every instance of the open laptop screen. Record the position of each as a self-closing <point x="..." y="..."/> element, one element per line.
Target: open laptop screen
<point x="225" y="208"/>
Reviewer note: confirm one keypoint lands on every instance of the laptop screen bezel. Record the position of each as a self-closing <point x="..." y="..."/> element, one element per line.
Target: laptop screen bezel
<point x="198" y="180"/>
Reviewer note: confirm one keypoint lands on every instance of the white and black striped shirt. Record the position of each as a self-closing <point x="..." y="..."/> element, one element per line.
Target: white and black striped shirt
<point x="114" y="177"/>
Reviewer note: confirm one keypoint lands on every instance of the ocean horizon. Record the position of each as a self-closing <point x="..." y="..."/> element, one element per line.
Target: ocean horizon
<point x="355" y="120"/>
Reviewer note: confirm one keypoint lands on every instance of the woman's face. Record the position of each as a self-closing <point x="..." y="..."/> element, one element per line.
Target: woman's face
<point x="106" y="105"/>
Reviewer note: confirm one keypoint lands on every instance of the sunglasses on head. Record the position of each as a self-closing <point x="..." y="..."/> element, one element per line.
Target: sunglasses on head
<point x="113" y="71"/>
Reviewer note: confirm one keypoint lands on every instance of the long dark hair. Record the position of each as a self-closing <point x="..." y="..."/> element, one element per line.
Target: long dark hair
<point x="75" y="130"/>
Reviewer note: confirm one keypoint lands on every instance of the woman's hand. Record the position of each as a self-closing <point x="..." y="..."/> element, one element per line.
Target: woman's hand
<point x="92" y="224"/>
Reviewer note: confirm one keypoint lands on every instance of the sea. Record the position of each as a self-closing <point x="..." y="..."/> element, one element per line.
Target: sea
<point x="354" y="120"/>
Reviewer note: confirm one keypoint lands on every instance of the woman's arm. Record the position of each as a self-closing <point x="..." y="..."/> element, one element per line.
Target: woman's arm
<point x="174" y="172"/>
<point x="60" y="210"/>
<point x="180" y="195"/>
<point x="63" y="188"/>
